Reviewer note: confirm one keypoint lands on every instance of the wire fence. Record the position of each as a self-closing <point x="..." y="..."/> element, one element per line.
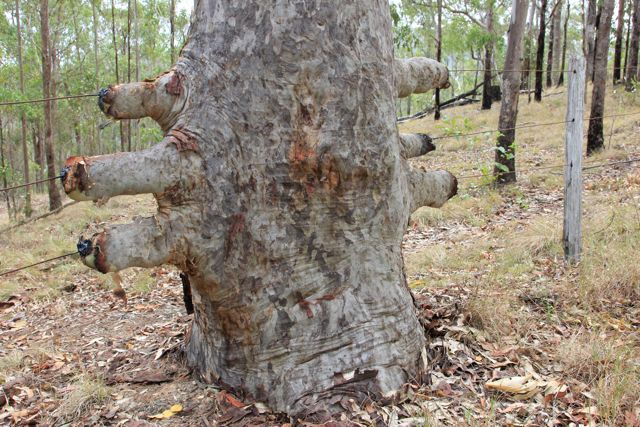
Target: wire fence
<point x="437" y="137"/>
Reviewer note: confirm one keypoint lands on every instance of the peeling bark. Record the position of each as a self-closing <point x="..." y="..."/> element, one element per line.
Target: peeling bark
<point x="283" y="195"/>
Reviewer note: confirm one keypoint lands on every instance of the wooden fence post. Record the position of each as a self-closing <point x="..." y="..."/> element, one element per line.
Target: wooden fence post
<point x="572" y="232"/>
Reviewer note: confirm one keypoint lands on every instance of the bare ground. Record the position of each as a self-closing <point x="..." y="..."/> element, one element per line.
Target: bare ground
<point x="494" y="296"/>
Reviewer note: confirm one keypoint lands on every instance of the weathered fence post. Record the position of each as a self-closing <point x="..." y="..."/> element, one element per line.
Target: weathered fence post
<point x="572" y="233"/>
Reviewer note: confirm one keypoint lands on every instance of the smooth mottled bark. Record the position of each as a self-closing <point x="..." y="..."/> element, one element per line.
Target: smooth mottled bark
<point x="488" y="49"/>
<point x="283" y="193"/>
<point x="550" y="51"/>
<point x="589" y="36"/>
<point x="54" y="195"/>
<point x="564" y="45"/>
<point x="505" y="159"/>
<point x="540" y="51"/>
<point x="436" y="115"/>
<point x="23" y="119"/>
<point x="557" y="40"/>
<point x="3" y="171"/>
<point x="595" y="136"/>
<point x="617" y="56"/>
<point x="632" y="63"/>
<point x="528" y="46"/>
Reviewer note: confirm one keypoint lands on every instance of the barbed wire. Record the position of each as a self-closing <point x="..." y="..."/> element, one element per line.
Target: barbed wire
<point x="55" y="98"/>
<point x="30" y="183"/>
<point x="15" y="270"/>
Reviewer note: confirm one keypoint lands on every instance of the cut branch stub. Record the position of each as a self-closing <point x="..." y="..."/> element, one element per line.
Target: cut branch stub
<point x="284" y="194"/>
<point x="143" y="243"/>
<point x="162" y="99"/>
<point x="431" y="188"/>
<point x="419" y="75"/>
<point x="415" y="145"/>
<point x="154" y="170"/>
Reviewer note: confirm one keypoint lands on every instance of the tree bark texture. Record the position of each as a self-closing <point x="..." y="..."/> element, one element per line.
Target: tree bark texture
<point x="54" y="195"/>
<point x="505" y="152"/>
<point x="23" y="119"/>
<point x="540" y="51"/>
<point x="632" y="63"/>
<point x="550" y="52"/>
<point x="589" y="36"/>
<point x="564" y="45"/>
<point x="595" y="137"/>
<point x="528" y="47"/>
<point x="283" y="192"/>
<point x="436" y="115"/>
<point x="488" y="49"/>
<point x="557" y="41"/>
<point x="617" y="57"/>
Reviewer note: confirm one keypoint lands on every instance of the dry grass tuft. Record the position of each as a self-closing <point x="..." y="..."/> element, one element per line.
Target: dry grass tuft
<point x="609" y="368"/>
<point x="87" y="391"/>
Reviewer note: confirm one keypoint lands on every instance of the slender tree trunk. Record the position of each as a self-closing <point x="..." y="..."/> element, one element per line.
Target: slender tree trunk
<point x="617" y="57"/>
<point x="23" y="120"/>
<point x="632" y="64"/>
<point x="136" y="27"/>
<point x="550" y="52"/>
<point x="292" y="246"/>
<point x="626" y="43"/>
<point x="505" y="160"/>
<point x="589" y="37"/>
<point x="488" y="50"/>
<point x="127" y="123"/>
<point x="564" y="45"/>
<point x="528" y="47"/>
<point x="557" y="41"/>
<point x="3" y="171"/>
<point x="54" y="196"/>
<point x="95" y="43"/>
<point x="595" y="139"/>
<point x="540" y="51"/>
<point x="172" y="28"/>
<point x="123" y="138"/>
<point x="436" y="115"/>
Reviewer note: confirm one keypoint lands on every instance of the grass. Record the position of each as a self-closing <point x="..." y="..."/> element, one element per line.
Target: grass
<point x="86" y="391"/>
<point x="514" y="265"/>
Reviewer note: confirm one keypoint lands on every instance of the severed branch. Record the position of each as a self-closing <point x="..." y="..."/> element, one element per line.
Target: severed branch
<point x="431" y="189"/>
<point x="419" y="75"/>
<point x="415" y="145"/>
<point x="162" y="99"/>
<point x="167" y="165"/>
<point x="142" y="243"/>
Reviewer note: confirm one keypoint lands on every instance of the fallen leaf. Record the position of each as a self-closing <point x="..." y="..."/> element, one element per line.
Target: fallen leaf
<point x="518" y="387"/>
<point x="168" y="413"/>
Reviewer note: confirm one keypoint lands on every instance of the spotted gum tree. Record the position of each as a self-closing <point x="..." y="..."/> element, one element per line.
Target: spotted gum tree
<point x="283" y="190"/>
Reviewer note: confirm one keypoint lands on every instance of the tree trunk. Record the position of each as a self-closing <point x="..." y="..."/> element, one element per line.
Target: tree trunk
<point x="589" y="37"/>
<point x="123" y="134"/>
<point x="172" y="29"/>
<point x="136" y="26"/>
<point x="564" y="45"/>
<point x="54" y="196"/>
<point x="632" y="63"/>
<point x="95" y="42"/>
<point x="488" y="49"/>
<point x="617" y="57"/>
<point x="283" y="193"/>
<point x="557" y="41"/>
<point x="595" y="139"/>
<point x="550" y="52"/>
<point x="436" y="115"/>
<point x="3" y="171"/>
<point x="23" y="120"/>
<point x="528" y="47"/>
<point x="505" y="164"/>
<point x="540" y="51"/>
